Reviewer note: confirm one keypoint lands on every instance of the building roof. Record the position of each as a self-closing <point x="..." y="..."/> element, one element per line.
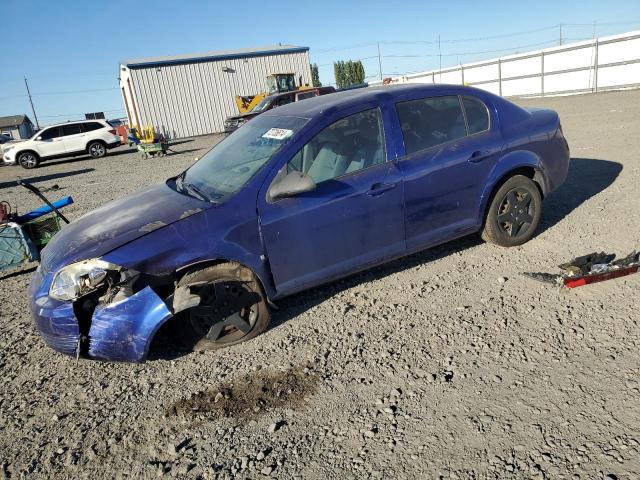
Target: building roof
<point x="13" y="121"/>
<point x="213" y="56"/>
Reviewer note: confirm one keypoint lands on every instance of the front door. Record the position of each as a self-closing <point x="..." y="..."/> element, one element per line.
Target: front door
<point x="354" y="217"/>
<point x="50" y="142"/>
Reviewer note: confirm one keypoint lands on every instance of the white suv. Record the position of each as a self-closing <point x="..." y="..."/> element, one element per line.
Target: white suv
<point x="66" y="139"/>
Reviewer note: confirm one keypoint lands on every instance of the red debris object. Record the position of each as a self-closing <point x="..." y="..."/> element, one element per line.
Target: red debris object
<point x="592" y="268"/>
<point x="570" y="282"/>
<point x="5" y="211"/>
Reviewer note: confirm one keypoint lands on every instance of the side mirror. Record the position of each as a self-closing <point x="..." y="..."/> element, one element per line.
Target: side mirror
<point x="290" y="185"/>
<point x="38" y="138"/>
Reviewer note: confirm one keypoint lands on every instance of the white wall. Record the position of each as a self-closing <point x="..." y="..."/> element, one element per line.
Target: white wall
<point x="189" y="99"/>
<point x="604" y="63"/>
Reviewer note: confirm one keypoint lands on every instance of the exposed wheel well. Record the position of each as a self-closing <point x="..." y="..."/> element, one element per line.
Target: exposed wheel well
<point x="27" y="151"/>
<point x="182" y="271"/>
<point x="528" y="172"/>
<point x="96" y="141"/>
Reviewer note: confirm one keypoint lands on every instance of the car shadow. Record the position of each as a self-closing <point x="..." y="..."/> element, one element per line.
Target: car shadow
<point x="179" y="142"/>
<point x="165" y="345"/>
<point x="46" y="178"/>
<point x="190" y="150"/>
<point x="81" y="158"/>
<point x="587" y="177"/>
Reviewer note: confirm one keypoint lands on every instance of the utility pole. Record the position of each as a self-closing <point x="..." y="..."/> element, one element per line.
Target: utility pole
<point x="560" y="27"/>
<point x="33" y="109"/>
<point x="379" y="62"/>
<point x="440" y="55"/>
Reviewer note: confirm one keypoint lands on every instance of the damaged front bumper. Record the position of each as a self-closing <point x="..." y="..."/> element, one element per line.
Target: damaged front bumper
<point x="119" y="331"/>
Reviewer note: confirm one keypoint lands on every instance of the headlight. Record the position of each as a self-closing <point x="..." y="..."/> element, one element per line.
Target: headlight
<point x="78" y="279"/>
<point x="6" y="149"/>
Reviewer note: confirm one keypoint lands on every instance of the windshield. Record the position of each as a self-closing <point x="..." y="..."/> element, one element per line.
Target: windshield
<point x="264" y="103"/>
<point x="227" y="167"/>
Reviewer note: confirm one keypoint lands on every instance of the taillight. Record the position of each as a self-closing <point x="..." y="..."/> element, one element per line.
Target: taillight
<point x="112" y="131"/>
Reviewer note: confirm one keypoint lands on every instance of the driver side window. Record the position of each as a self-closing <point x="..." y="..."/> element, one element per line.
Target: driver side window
<point x="50" y="133"/>
<point x="352" y="143"/>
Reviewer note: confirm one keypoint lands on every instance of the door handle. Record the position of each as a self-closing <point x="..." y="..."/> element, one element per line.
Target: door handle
<point x="379" y="188"/>
<point x="480" y="155"/>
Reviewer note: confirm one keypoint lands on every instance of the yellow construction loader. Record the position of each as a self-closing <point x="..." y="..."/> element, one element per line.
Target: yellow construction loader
<point x="276" y="83"/>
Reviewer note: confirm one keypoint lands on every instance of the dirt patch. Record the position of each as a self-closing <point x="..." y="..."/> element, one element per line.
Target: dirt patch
<point x="254" y="394"/>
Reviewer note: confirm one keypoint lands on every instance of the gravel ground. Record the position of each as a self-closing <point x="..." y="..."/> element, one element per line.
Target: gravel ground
<point x="447" y="363"/>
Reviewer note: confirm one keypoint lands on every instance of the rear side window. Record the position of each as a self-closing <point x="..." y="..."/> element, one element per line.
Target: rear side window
<point x="91" y="126"/>
<point x="284" y="100"/>
<point x="302" y="96"/>
<point x="477" y="115"/>
<point x="49" y="133"/>
<point x="430" y="121"/>
<point x="72" y="129"/>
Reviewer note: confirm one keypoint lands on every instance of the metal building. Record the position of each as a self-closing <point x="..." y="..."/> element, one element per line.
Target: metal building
<point x="188" y="95"/>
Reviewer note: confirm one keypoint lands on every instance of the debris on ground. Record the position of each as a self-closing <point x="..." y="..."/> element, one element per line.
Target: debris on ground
<point x="592" y="268"/>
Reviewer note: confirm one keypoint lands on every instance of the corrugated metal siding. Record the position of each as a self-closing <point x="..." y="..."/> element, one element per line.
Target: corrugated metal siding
<point x="194" y="99"/>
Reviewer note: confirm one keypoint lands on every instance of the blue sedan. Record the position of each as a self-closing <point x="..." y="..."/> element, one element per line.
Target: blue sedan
<point x="297" y="197"/>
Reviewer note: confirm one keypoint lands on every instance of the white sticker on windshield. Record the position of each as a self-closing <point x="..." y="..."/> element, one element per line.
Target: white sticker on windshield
<point x="278" y="133"/>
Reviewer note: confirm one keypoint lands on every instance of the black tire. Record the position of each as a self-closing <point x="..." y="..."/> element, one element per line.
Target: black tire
<point x="209" y="326"/>
<point x="97" y="149"/>
<point x="28" y="160"/>
<point x="514" y="213"/>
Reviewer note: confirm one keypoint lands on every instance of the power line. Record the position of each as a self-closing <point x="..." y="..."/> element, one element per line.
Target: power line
<point x="73" y="92"/>
<point x="77" y="114"/>
<point x="69" y="92"/>
<point x="474" y="39"/>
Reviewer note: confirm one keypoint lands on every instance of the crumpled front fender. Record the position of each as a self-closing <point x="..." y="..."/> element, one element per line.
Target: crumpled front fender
<point x="123" y="331"/>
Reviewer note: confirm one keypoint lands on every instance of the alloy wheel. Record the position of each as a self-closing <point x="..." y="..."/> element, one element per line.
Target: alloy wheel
<point x="516" y="212"/>
<point x="97" y="150"/>
<point x="28" y="160"/>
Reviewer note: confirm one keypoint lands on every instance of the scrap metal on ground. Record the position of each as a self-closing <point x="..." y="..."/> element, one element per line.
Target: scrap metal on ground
<point x="592" y="268"/>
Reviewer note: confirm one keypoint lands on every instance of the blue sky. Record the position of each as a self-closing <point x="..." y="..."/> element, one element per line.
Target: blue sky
<point x="70" y="50"/>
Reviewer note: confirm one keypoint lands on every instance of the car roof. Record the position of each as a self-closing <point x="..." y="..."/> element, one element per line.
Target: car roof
<point x="71" y="122"/>
<point x="317" y="106"/>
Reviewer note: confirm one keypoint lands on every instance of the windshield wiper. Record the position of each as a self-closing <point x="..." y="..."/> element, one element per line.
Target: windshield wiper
<point x="192" y="190"/>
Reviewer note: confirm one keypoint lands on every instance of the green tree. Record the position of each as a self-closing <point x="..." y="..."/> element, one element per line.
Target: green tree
<point x="348" y="73"/>
<point x="338" y="72"/>
<point x="315" y="76"/>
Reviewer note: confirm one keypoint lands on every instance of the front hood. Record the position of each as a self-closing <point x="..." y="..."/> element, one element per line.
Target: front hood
<point x="118" y="223"/>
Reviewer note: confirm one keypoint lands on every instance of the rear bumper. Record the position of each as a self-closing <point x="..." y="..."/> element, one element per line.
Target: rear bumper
<point x="115" y="143"/>
<point x="120" y="331"/>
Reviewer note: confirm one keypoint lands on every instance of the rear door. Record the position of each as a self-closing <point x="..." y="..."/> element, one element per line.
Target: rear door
<point x="354" y="217"/>
<point x="451" y="145"/>
<point x="74" y="137"/>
